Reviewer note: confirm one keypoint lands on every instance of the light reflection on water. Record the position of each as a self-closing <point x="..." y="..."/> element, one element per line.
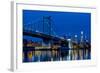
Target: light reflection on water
<point x="56" y="55"/>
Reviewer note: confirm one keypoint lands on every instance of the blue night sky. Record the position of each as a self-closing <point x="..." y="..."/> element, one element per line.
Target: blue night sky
<point x="64" y="23"/>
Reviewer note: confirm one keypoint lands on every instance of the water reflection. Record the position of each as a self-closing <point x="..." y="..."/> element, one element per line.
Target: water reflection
<point x="60" y="54"/>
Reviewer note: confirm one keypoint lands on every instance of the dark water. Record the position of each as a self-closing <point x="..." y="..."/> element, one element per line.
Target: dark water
<point x="64" y="54"/>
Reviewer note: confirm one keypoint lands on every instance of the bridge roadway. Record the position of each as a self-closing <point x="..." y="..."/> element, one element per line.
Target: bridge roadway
<point x="43" y="36"/>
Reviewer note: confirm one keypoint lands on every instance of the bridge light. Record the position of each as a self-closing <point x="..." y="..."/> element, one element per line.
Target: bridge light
<point x="37" y="31"/>
<point x="75" y="36"/>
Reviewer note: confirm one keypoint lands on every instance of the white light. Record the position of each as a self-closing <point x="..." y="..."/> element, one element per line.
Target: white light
<point x="37" y="31"/>
<point x="81" y="32"/>
<point x="68" y="39"/>
<point x="76" y="36"/>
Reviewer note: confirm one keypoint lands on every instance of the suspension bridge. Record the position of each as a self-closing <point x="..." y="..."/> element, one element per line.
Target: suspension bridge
<point x="44" y="29"/>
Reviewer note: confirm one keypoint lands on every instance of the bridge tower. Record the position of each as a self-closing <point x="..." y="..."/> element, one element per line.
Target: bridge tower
<point x="47" y="26"/>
